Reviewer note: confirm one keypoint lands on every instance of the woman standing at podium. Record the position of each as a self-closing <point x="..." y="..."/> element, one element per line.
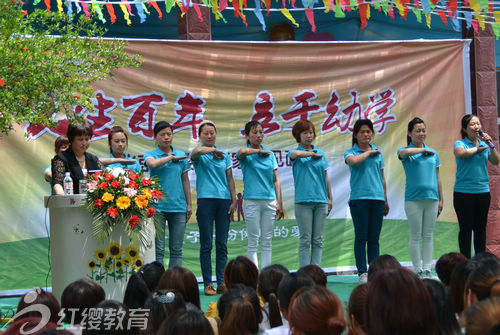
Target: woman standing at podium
<point x="75" y="158"/>
<point x="118" y="143"/>
<point x="171" y="166"/>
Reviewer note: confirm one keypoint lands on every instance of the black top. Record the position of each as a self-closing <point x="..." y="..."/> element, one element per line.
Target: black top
<point x="65" y="161"/>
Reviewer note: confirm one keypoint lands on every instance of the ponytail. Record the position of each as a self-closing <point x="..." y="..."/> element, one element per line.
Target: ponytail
<point x="274" y="311"/>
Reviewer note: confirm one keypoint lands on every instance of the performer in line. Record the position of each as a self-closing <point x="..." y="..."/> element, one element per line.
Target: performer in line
<point x="216" y="202"/>
<point x="171" y="166"/>
<point x="368" y="199"/>
<point x="61" y="143"/>
<point x="262" y="193"/>
<point x="471" y="194"/>
<point x="423" y="195"/>
<point x="118" y="143"/>
<point x="75" y="158"/>
<point x="313" y="194"/>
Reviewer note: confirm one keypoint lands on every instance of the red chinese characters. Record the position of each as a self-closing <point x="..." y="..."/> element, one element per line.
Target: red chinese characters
<point x="189" y="110"/>
<point x="142" y="119"/>
<point x="303" y="108"/>
<point x="263" y="112"/>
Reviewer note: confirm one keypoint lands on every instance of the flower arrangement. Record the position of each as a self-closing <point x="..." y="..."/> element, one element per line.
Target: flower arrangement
<point x="122" y="197"/>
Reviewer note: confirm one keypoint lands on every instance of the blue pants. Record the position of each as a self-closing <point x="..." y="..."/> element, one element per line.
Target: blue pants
<point x="176" y="229"/>
<point x="367" y="216"/>
<point x="210" y="210"/>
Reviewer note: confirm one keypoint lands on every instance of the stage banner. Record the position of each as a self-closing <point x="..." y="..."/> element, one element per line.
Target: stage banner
<point x="331" y="84"/>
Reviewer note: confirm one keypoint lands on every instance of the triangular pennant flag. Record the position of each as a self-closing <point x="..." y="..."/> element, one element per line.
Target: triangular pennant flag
<point x="145" y="9"/>
<point x="417" y="4"/>
<point x="339" y="13"/>
<point x="222" y="5"/>
<point x="129" y="8"/>
<point x="442" y="15"/>
<point x="126" y="16"/>
<point x="140" y="12"/>
<point x="474" y="5"/>
<point x="157" y="8"/>
<point x="111" y="12"/>
<point x="47" y="4"/>
<point x="69" y="12"/>
<point x="418" y="15"/>
<point x="480" y="20"/>
<point x="484" y="5"/>
<point x="198" y="11"/>
<point x="475" y="26"/>
<point x="36" y="2"/>
<point x="496" y="30"/>
<point x="289" y="16"/>
<point x="468" y="19"/>
<point x="327" y="4"/>
<point x="363" y="15"/>
<point x="258" y="14"/>
<point x="310" y="18"/>
<point x="169" y="4"/>
<point x="59" y="6"/>
<point x="497" y="16"/>
<point x="428" y="18"/>
<point x="98" y="10"/>
<point x="455" y="24"/>
<point x="426" y="6"/>
<point x="85" y="8"/>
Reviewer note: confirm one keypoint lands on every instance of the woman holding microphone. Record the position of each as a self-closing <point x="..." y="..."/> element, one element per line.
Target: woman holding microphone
<point x="423" y="195"/>
<point x="216" y="202"/>
<point x="313" y="194"/>
<point x="368" y="199"/>
<point x="262" y="193"/>
<point x="471" y="193"/>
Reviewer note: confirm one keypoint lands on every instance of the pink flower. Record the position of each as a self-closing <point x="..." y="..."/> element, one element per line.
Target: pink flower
<point x="91" y="186"/>
<point x="130" y="192"/>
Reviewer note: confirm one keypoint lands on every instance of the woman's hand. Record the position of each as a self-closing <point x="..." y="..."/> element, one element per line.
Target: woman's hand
<point x="279" y="212"/>
<point x="386" y="211"/>
<point x="218" y="154"/>
<point x="440" y="207"/>
<point x="189" y="211"/>
<point x="175" y="159"/>
<point x="232" y="208"/>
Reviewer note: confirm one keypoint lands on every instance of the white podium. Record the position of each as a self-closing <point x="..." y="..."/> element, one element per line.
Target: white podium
<point x="76" y="254"/>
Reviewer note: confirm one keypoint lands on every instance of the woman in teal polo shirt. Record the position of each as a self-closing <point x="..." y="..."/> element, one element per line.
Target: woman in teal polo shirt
<point x="262" y="193"/>
<point x="118" y="143"/>
<point x="471" y="193"/>
<point x="368" y="199"/>
<point x="171" y="166"/>
<point x="423" y="195"/>
<point x="216" y="202"/>
<point x="313" y="194"/>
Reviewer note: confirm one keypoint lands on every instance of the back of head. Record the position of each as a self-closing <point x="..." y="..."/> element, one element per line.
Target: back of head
<point x="141" y="284"/>
<point x="110" y="317"/>
<point x="399" y="303"/>
<point x="315" y="272"/>
<point x="484" y="281"/>
<point x="186" y="322"/>
<point x="31" y="325"/>
<point x="38" y="297"/>
<point x="380" y="263"/>
<point x="182" y="280"/>
<point x="78" y="296"/>
<point x="269" y="280"/>
<point x="161" y="305"/>
<point x="445" y="265"/>
<point x="458" y="284"/>
<point x="239" y="311"/>
<point x="482" y="316"/>
<point x="481" y="257"/>
<point x="356" y="306"/>
<point x="289" y="285"/>
<point x="241" y="270"/>
<point x="316" y="310"/>
<point x="446" y="319"/>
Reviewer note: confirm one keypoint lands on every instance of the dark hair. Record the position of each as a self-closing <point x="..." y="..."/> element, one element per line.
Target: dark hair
<point x="380" y="263"/>
<point x="182" y="280"/>
<point x="269" y="280"/>
<point x="115" y="130"/>
<point x="186" y="322"/>
<point x="161" y="305"/>
<point x="399" y="303"/>
<point x="39" y="297"/>
<point x="80" y="129"/>
<point x="445" y="265"/>
<point x="159" y="126"/>
<point x="289" y="285"/>
<point x="482" y="317"/>
<point x="315" y="272"/>
<point x="249" y="126"/>
<point x="458" y="284"/>
<point x="141" y="284"/>
<point x="357" y="126"/>
<point x="484" y="281"/>
<point x="411" y="125"/>
<point x="465" y="122"/>
<point x="316" y="310"/>
<point x="114" y="320"/>
<point x="446" y="320"/>
<point x="60" y="142"/>
<point x="22" y="326"/>
<point x="300" y="126"/>
<point x="356" y="306"/>
<point x="241" y="270"/>
<point x="239" y="311"/>
<point x="485" y="256"/>
<point x="495" y="330"/>
<point x="205" y="123"/>
<point x="79" y="295"/>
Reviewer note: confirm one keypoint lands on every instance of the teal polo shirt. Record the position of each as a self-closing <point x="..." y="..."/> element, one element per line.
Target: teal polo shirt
<point x="174" y="199"/>
<point x="472" y="172"/>
<point x="421" y="176"/>
<point x="258" y="175"/>
<point x="136" y="167"/>
<point x="309" y="177"/>
<point x="211" y="179"/>
<point x="366" y="179"/>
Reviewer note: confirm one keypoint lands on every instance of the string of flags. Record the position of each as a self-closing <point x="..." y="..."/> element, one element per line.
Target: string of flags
<point x="476" y="13"/>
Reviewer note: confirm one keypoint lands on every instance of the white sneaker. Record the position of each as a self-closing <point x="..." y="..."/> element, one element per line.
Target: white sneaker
<point x="363" y="278"/>
<point x="427" y="274"/>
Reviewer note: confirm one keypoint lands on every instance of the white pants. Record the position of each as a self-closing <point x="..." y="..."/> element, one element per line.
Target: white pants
<point x="422" y="215"/>
<point x="260" y="215"/>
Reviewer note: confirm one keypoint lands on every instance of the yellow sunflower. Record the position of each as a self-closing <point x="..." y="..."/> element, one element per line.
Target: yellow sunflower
<point x="107" y="197"/>
<point x="138" y="263"/>
<point x="132" y="252"/>
<point x="123" y="202"/>
<point x="100" y="255"/>
<point x="114" y="250"/>
<point x="147" y="193"/>
<point x="141" y="201"/>
<point x="108" y="267"/>
<point x="127" y="261"/>
<point x="118" y="264"/>
<point x="91" y="264"/>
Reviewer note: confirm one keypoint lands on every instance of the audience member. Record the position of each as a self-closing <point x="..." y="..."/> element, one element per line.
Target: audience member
<point x="141" y="284"/>
<point x="446" y="320"/>
<point x="186" y="322"/>
<point x="483" y="282"/>
<point x="34" y="325"/>
<point x="240" y="311"/>
<point x="78" y="297"/>
<point x="445" y="265"/>
<point x="38" y="297"/>
<point x="114" y="320"/>
<point x="269" y="280"/>
<point x="161" y="304"/>
<point x="315" y="272"/>
<point x="382" y="262"/>
<point x="182" y="280"/>
<point x="482" y="317"/>
<point x="356" y="309"/>
<point x="458" y="284"/>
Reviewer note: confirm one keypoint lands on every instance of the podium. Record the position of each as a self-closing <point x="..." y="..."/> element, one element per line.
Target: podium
<point x="76" y="254"/>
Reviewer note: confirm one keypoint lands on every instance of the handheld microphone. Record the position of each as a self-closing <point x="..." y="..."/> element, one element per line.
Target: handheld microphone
<point x="489" y="142"/>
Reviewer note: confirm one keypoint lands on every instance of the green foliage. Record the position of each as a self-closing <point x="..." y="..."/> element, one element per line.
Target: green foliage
<point x="48" y="64"/>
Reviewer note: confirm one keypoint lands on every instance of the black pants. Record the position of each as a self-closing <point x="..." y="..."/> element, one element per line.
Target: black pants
<point x="472" y="213"/>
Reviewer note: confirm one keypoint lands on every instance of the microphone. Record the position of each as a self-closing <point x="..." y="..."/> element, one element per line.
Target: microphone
<point x="489" y="142"/>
